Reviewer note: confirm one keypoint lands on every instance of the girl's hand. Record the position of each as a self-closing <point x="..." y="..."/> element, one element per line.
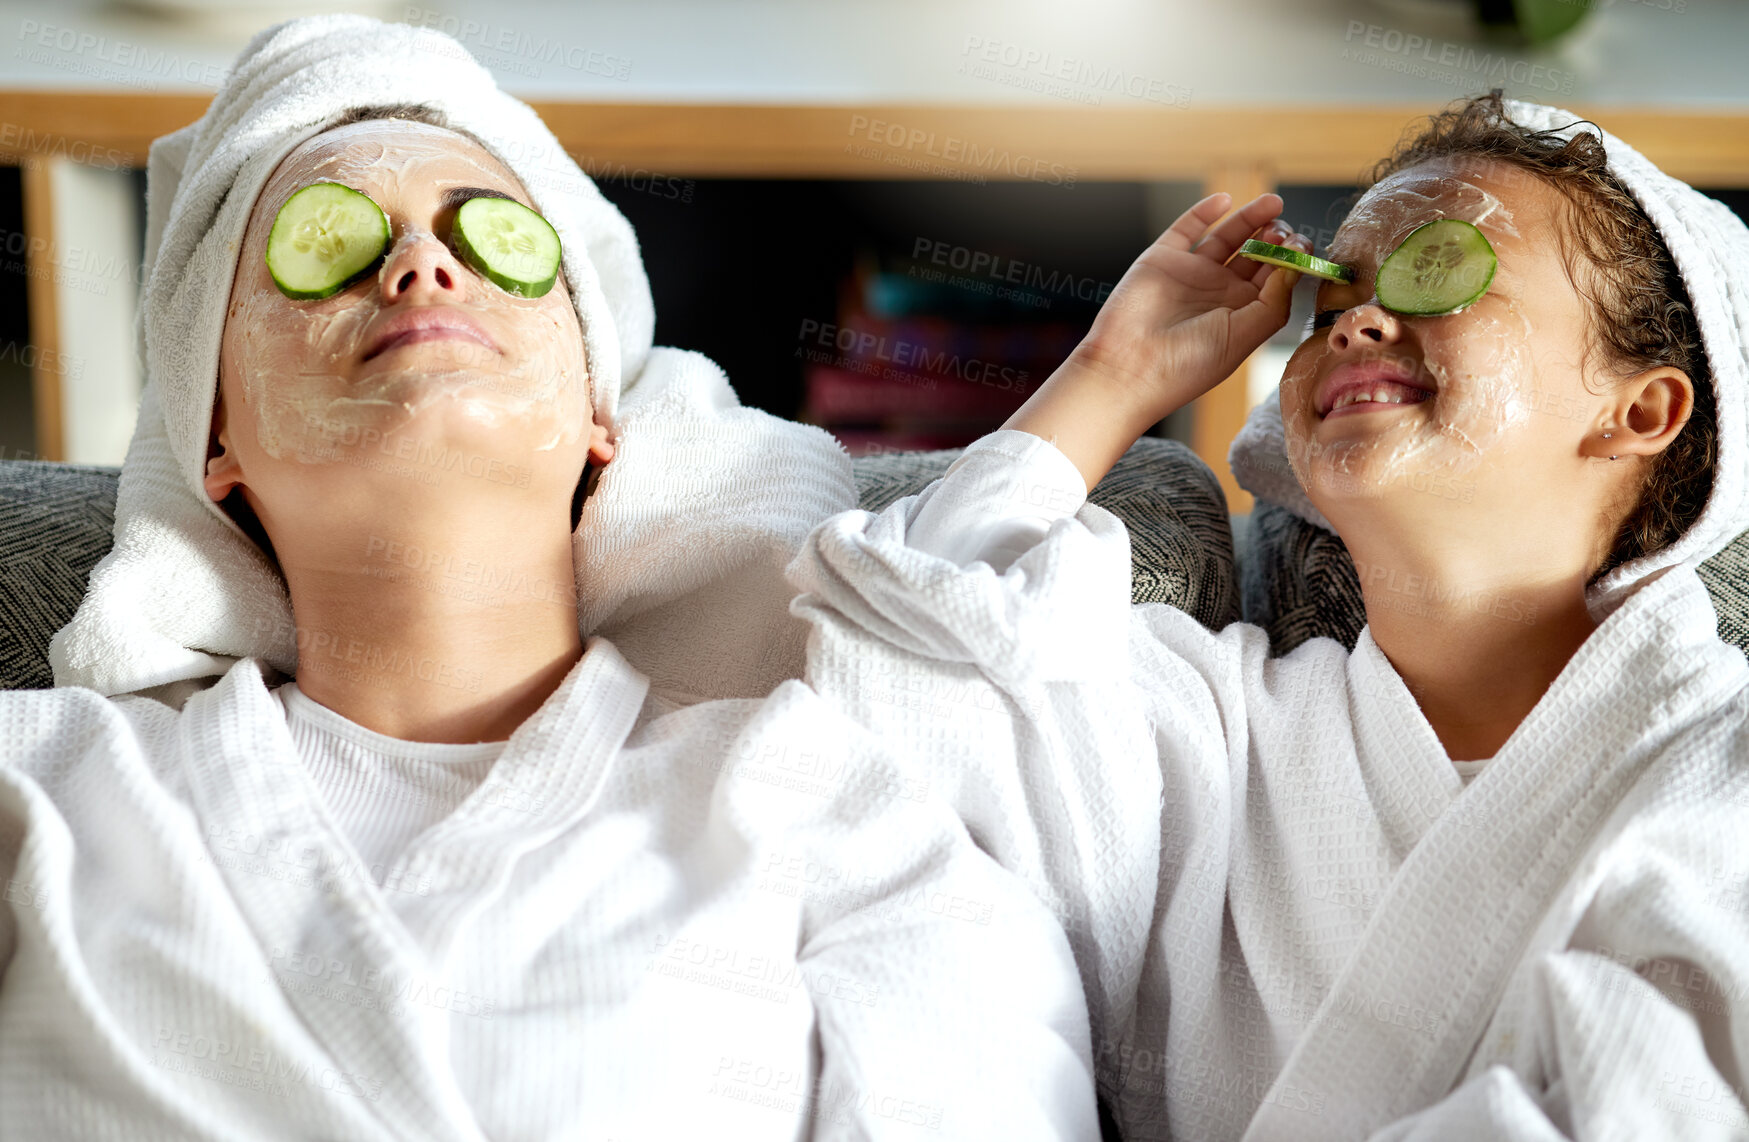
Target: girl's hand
<point x="1180" y="321"/>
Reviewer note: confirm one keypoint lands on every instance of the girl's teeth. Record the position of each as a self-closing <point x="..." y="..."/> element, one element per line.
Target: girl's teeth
<point x="1381" y="394"/>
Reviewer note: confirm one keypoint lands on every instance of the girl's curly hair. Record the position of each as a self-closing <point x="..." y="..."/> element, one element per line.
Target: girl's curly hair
<point x="1641" y="312"/>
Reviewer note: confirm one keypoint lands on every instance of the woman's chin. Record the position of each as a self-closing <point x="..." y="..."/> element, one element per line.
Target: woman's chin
<point x="460" y="437"/>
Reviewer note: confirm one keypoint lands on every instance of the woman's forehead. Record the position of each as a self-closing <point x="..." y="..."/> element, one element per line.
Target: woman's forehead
<point x="382" y="151"/>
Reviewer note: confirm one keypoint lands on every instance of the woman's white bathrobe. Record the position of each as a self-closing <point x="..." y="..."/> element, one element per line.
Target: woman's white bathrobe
<point x="1293" y="919"/>
<point x="722" y="921"/>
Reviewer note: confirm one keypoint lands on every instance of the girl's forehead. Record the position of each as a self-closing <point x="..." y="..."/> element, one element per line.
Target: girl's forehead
<point x="1444" y="188"/>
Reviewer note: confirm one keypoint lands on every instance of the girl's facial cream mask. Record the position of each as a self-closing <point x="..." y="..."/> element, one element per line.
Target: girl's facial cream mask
<point x="1473" y="373"/>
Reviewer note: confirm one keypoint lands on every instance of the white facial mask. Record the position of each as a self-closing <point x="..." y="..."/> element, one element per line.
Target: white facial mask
<point x="1478" y="360"/>
<point x="311" y="395"/>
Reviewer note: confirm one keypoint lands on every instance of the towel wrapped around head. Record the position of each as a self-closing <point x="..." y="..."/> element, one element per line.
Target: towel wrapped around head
<point x="1710" y="246"/>
<point x="683" y="540"/>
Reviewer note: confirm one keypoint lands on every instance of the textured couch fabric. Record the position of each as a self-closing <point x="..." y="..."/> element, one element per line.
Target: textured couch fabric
<point x="1181" y="548"/>
<point x="1299" y="583"/>
<point x="58" y="520"/>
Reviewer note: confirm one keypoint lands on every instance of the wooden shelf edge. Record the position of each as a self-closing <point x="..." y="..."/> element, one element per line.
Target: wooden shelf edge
<point x="1058" y="145"/>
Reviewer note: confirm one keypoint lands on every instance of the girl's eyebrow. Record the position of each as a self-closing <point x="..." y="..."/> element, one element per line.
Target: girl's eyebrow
<point x="456" y="195"/>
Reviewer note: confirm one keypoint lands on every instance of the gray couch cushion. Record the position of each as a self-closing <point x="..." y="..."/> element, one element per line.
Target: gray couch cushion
<point x="58" y="520"/>
<point x="1181" y="548"/>
<point x="1299" y="583"/>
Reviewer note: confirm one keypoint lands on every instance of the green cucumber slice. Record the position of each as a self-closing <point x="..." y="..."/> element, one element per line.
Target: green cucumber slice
<point x="510" y="244"/>
<point x="1292" y="259"/>
<point x="324" y="237"/>
<point x="1440" y="268"/>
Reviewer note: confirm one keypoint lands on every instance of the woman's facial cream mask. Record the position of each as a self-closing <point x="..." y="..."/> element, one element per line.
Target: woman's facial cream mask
<point x="1373" y="400"/>
<point x="321" y="378"/>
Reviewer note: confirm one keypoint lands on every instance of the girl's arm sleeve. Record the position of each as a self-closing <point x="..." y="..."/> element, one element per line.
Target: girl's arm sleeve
<point x="1006" y="684"/>
<point x="1000" y="564"/>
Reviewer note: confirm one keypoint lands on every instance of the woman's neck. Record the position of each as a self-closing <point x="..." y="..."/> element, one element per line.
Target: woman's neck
<point x="434" y="632"/>
<point x="1477" y="648"/>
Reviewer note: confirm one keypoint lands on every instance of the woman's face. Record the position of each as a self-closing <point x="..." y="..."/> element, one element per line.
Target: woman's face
<point x="1484" y="403"/>
<point x="340" y="380"/>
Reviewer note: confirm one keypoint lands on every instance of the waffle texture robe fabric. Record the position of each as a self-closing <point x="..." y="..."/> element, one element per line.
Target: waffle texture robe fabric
<point x="1293" y="918"/>
<point x="734" y="919"/>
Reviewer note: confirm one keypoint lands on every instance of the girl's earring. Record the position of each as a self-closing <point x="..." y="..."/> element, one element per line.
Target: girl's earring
<point x="1606" y="437"/>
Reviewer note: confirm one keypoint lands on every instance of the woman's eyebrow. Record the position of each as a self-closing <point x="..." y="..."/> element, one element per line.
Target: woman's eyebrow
<point x="456" y="195"/>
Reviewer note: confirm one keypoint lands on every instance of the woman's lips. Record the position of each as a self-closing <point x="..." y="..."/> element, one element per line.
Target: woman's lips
<point x="414" y="336"/>
<point x="427" y="323"/>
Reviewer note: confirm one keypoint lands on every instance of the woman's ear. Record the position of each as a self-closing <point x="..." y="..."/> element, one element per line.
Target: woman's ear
<point x="600" y="446"/>
<point x="223" y="473"/>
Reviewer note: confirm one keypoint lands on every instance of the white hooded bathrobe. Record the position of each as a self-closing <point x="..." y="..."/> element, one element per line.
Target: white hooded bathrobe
<point x="655" y="916"/>
<point x="1294" y="918"/>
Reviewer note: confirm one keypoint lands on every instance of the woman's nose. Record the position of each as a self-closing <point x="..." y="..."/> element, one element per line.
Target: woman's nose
<point x="1363" y="323"/>
<point x="421" y="266"/>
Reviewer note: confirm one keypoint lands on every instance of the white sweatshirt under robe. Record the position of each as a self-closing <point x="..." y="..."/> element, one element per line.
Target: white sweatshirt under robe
<point x="1293" y="917"/>
<point x="735" y="920"/>
<point x="381" y="791"/>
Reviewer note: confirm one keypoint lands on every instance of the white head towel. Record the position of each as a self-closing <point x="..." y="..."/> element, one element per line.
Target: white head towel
<point x="1710" y="246"/>
<point x="698" y="509"/>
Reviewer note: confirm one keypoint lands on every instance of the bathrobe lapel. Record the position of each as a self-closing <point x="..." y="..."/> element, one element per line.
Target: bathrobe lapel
<point x="1395" y="1032"/>
<point x="309" y="895"/>
<point x="545" y="781"/>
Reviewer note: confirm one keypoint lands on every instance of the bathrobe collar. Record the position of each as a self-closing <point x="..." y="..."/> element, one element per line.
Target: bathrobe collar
<point x="305" y="887"/>
<point x="1484" y="871"/>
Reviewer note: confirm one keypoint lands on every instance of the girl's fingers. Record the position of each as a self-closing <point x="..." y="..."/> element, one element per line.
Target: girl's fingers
<point x="1192" y="224"/>
<point x="1229" y="235"/>
<point x="1277" y="292"/>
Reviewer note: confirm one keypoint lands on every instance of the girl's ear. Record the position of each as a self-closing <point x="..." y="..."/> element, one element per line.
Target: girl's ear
<point x="1648" y="411"/>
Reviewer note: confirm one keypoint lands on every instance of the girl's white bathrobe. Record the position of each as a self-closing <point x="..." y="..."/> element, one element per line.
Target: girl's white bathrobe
<point x="1293" y="918"/>
<point x="733" y="920"/>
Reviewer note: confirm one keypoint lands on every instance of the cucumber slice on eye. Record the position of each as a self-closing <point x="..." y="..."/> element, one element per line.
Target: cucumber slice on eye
<point x="323" y="237"/>
<point x="1440" y="268"/>
<point x="1289" y="258"/>
<point x="510" y="244"/>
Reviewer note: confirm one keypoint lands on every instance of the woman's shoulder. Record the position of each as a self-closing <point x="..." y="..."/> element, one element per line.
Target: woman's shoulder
<point x="42" y="731"/>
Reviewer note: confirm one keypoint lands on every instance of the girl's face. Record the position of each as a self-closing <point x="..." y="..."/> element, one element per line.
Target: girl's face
<point x="315" y="382"/>
<point x="1486" y="403"/>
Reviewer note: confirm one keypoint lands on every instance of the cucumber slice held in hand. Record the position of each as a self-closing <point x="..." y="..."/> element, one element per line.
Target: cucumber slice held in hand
<point x="510" y="244"/>
<point x="1440" y="268"/>
<point x="324" y="237"/>
<point x="1291" y="259"/>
